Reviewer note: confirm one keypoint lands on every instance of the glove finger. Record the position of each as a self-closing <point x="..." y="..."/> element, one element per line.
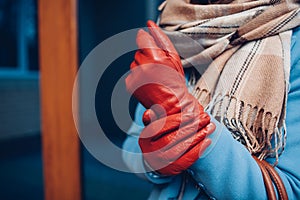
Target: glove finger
<point x="144" y="40"/>
<point x="133" y="64"/>
<point x="165" y="133"/>
<point x="182" y="140"/>
<point x="185" y="161"/>
<point x="160" y="127"/>
<point x="165" y="43"/>
<point x="148" y="51"/>
<point x="203" y="120"/>
<point x="185" y="135"/>
<point x="149" y="116"/>
<point x="161" y="38"/>
<point x="166" y="125"/>
<point x="150" y="56"/>
<point x="211" y="127"/>
<point x="184" y="146"/>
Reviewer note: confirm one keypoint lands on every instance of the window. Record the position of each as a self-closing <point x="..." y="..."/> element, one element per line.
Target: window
<point x="18" y="38"/>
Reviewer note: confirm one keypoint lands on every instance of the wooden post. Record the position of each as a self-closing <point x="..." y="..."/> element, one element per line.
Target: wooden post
<point x="58" y="67"/>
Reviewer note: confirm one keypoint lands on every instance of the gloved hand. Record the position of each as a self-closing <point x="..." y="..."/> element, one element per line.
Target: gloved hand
<point x="177" y="133"/>
<point x="157" y="76"/>
<point x="172" y="144"/>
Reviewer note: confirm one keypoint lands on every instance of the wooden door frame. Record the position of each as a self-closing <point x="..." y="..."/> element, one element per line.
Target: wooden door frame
<point x="58" y="67"/>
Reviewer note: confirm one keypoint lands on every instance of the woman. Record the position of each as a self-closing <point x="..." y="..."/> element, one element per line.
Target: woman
<point x="243" y="108"/>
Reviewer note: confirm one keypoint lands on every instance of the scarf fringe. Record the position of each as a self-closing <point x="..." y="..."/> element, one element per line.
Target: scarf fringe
<point x="249" y="125"/>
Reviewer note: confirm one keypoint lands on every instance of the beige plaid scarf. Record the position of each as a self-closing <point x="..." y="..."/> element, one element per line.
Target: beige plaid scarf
<point x="243" y="48"/>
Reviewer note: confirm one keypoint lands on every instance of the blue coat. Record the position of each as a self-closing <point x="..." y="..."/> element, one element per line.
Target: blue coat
<point x="227" y="170"/>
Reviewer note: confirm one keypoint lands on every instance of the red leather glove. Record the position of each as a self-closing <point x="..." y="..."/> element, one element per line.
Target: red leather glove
<point x="176" y="137"/>
<point x="172" y="144"/>
<point x="157" y="76"/>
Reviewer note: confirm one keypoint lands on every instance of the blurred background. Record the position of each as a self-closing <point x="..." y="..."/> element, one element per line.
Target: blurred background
<point x="21" y="160"/>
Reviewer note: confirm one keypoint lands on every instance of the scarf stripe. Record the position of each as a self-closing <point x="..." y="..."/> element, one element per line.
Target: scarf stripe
<point x="244" y="67"/>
